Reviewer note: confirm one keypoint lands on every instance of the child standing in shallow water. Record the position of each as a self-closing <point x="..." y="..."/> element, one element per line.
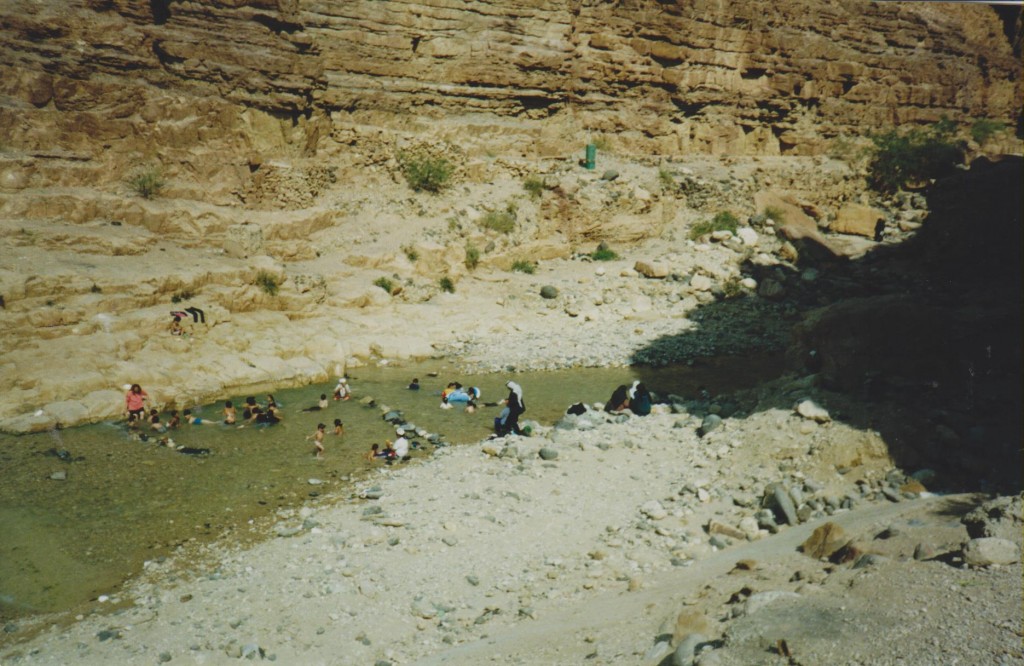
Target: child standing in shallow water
<point x="318" y="439"/>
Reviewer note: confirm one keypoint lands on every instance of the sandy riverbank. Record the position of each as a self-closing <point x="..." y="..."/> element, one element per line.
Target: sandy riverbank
<point x="613" y="552"/>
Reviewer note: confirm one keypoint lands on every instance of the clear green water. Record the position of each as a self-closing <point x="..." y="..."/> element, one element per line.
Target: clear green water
<point x="64" y="542"/>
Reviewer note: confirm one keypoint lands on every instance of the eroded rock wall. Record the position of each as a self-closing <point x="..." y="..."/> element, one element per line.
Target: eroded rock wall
<point x="240" y="79"/>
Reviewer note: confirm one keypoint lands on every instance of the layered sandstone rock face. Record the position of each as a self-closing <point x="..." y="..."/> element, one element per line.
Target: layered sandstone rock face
<point x="245" y="79"/>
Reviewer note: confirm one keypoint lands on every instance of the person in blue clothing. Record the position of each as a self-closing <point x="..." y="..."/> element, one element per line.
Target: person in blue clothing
<point x="639" y="399"/>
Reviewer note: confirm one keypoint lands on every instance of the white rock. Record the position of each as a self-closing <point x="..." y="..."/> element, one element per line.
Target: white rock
<point x="748" y="236"/>
<point x="701" y="282"/>
<point x="811" y="410"/>
<point x="987" y="551"/>
<point x="748" y="283"/>
<point x="654" y="510"/>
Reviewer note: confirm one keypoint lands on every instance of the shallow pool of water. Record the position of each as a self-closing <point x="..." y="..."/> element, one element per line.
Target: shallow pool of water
<point x="123" y="501"/>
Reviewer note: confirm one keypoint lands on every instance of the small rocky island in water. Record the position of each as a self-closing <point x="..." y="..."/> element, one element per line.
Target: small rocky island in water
<point x="832" y="192"/>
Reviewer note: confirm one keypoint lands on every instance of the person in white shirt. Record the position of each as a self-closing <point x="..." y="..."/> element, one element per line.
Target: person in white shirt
<point x="401" y="445"/>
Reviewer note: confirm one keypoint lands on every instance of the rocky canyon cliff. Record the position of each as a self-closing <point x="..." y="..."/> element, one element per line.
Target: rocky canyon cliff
<point x="241" y="79"/>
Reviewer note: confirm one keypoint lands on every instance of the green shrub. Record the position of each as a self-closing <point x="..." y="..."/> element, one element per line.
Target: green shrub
<point x="534" y="186"/>
<point x="503" y="221"/>
<point x="424" y="172"/>
<point x="446" y="284"/>
<point x="268" y="282"/>
<point x="666" y="178"/>
<point x="147" y="183"/>
<point x="411" y="254"/>
<point x="722" y="221"/>
<point x="984" y="129"/>
<point x="775" y="213"/>
<point x="472" y="256"/>
<point x="915" y="155"/>
<point x="96" y="289"/>
<point x="732" y="288"/>
<point x="524" y="266"/>
<point x="604" y="254"/>
<point x="385" y="284"/>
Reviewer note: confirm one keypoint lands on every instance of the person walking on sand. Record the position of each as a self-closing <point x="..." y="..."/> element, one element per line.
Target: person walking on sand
<point x="134" y="403"/>
<point x="516" y="406"/>
<point x="318" y="440"/>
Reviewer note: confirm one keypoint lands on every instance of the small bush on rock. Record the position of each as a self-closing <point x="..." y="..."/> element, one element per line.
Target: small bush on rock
<point x="472" y="256"/>
<point x="385" y="284"/>
<point x="722" y="221"/>
<point x="534" y="186"/>
<point x="423" y="172"/>
<point x="503" y="221"/>
<point x="268" y="282"/>
<point x="666" y="179"/>
<point x="604" y="254"/>
<point x="446" y="285"/>
<point x="984" y="129"/>
<point x="147" y="183"/>
<point x="524" y="266"/>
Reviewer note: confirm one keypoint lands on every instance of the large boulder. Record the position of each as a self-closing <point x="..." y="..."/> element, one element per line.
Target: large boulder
<point x="859" y="220"/>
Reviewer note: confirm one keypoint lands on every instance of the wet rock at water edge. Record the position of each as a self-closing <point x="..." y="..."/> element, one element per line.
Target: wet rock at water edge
<point x="710" y="422"/>
<point x="548" y="292"/>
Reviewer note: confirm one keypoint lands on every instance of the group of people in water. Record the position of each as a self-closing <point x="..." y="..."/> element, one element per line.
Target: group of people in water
<point x="635" y="398"/>
<point x="267" y="413"/>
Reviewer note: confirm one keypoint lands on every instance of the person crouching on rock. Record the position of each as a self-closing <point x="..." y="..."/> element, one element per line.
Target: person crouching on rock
<point x="619" y="401"/>
<point x="639" y="399"/>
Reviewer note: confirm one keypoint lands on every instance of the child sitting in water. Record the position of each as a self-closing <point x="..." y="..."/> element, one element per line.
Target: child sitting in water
<point x="229" y="413"/>
<point x="154" y="421"/>
<point x="339" y="428"/>
<point x="318" y="406"/>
